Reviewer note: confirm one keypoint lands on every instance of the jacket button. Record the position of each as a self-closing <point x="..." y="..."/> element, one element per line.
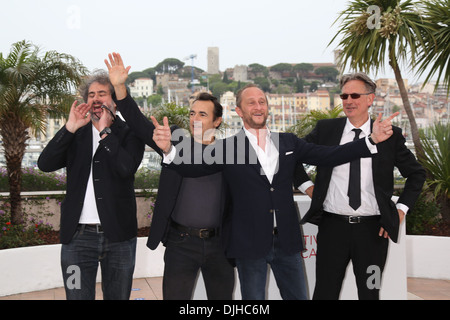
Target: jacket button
<point x="272" y="189"/>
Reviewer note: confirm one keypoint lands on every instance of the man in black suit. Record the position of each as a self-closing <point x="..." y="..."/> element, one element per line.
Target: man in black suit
<point x="98" y="215"/>
<point x="258" y="166"/>
<point x="188" y="212"/>
<point x="358" y="230"/>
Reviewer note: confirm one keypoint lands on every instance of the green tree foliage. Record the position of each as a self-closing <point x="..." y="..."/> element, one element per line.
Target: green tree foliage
<point x="169" y="65"/>
<point x="307" y="122"/>
<point x="32" y="86"/>
<point x="434" y="56"/>
<point x="374" y="32"/>
<point x="328" y="73"/>
<point x="282" y="67"/>
<point x="302" y="69"/>
<point x="437" y="164"/>
<point x="177" y="115"/>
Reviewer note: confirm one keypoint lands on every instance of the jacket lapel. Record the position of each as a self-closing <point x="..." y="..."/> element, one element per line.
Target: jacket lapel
<point x="332" y="137"/>
<point x="336" y="131"/>
<point x="280" y="144"/>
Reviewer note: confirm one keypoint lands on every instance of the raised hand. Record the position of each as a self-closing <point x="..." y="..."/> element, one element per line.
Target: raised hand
<point x="382" y="130"/>
<point x="162" y="135"/>
<point x="79" y="116"/>
<point x="118" y="74"/>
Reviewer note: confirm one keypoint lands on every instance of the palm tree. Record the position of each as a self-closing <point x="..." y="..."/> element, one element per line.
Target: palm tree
<point x="436" y="53"/>
<point x="177" y="115"/>
<point x="366" y="44"/>
<point x="437" y="164"/>
<point x="31" y="87"/>
<point x="305" y="125"/>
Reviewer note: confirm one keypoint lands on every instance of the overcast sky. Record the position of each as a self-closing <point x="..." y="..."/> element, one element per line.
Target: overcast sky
<point x="147" y="32"/>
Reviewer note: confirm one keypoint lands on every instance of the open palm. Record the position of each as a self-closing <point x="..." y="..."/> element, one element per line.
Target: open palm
<point x="118" y="74"/>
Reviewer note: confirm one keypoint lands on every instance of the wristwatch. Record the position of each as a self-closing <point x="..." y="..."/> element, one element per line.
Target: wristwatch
<point x="107" y="130"/>
<point x="371" y="140"/>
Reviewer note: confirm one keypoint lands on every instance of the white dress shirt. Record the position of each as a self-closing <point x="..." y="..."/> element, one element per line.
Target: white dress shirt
<point x="89" y="213"/>
<point x="336" y="200"/>
<point x="268" y="158"/>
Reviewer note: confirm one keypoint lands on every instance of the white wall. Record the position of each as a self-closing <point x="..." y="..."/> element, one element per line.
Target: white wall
<point x="393" y="284"/>
<point x="38" y="268"/>
<point x="428" y="257"/>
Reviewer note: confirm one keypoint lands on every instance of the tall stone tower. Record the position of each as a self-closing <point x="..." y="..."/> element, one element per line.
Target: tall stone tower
<point x="240" y="73"/>
<point x="213" y="60"/>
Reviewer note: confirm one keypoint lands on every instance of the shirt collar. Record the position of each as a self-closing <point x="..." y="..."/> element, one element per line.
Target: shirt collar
<point x="365" y="128"/>
<point x="252" y="137"/>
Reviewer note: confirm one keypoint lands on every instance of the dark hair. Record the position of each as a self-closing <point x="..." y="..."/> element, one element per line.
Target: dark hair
<point x="99" y="76"/>
<point x="205" y="96"/>
<point x="239" y="93"/>
<point x="368" y="83"/>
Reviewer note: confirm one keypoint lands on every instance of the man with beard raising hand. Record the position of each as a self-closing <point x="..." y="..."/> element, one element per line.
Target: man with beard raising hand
<point x="98" y="215"/>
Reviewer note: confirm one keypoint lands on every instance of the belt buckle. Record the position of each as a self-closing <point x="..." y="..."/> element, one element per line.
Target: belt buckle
<point x="203" y="233"/>
<point x="354" y="219"/>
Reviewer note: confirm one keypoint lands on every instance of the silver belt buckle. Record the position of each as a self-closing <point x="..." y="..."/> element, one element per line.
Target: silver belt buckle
<point x="203" y="234"/>
<point x="354" y="219"/>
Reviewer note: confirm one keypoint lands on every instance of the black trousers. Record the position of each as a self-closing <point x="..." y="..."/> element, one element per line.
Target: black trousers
<point x="185" y="256"/>
<point x="338" y="243"/>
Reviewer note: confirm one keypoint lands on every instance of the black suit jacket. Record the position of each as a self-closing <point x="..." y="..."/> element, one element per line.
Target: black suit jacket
<point x="113" y="167"/>
<point x="391" y="153"/>
<point x="254" y="200"/>
<point x="169" y="181"/>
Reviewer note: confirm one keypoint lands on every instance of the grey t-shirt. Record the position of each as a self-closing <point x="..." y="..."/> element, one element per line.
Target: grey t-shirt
<point x="200" y="202"/>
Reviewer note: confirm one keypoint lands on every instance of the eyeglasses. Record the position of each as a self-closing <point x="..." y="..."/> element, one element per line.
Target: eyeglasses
<point x="344" y="96"/>
<point x="112" y="114"/>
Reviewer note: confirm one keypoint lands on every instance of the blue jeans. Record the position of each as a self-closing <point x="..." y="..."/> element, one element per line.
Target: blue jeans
<point x="288" y="271"/>
<point x="81" y="257"/>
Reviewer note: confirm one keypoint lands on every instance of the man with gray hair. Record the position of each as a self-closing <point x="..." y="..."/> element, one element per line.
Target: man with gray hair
<point x="98" y="215"/>
<point x="351" y="202"/>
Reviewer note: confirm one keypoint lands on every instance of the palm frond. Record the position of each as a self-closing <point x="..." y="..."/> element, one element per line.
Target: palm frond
<point x="434" y="56"/>
<point x="32" y="86"/>
<point x="437" y="160"/>
<point x="401" y="33"/>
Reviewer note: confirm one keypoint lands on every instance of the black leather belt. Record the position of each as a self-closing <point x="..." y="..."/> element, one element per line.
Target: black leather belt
<point x="97" y="228"/>
<point x="351" y="219"/>
<point x="201" y="233"/>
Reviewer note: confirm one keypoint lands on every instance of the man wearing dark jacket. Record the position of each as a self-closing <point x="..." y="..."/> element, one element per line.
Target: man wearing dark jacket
<point x="189" y="212"/>
<point x="258" y="166"/>
<point x="357" y="227"/>
<point x="98" y="215"/>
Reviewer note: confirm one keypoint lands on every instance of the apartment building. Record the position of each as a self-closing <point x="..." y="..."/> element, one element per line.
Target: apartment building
<point x="141" y="87"/>
<point x="319" y="100"/>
